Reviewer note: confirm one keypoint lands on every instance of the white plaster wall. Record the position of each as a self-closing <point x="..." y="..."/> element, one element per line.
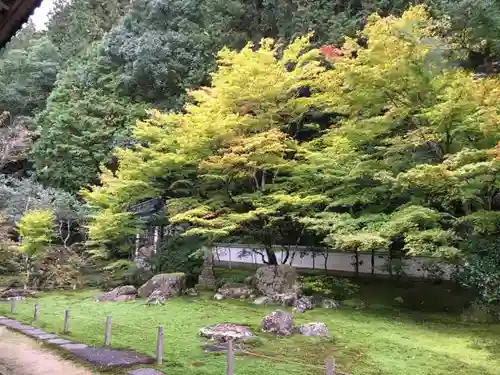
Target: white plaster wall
<point x="336" y="261"/>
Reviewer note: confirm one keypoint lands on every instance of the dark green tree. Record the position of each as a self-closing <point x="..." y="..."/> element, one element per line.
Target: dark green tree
<point x="28" y="71"/>
<point x="83" y="121"/>
<point x="75" y="25"/>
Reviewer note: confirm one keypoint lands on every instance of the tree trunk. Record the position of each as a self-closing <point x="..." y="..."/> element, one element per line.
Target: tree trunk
<point x="28" y="274"/>
<point x="389" y="263"/>
<point x="356" y="256"/>
<point x="373" y="262"/>
<point x="287" y="252"/>
<point x="271" y="257"/>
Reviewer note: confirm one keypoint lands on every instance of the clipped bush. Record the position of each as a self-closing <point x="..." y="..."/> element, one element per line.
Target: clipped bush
<point x="334" y="287"/>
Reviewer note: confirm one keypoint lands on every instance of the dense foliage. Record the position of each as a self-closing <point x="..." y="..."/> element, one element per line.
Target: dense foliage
<point x="28" y="70"/>
<point x="342" y="125"/>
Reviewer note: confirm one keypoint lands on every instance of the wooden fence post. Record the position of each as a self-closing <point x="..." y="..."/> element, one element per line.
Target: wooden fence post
<point x="107" y="333"/>
<point x="35" y="313"/>
<point x="66" y="321"/>
<point x="159" y="345"/>
<point x="230" y="358"/>
<point x="12" y="306"/>
<point x="330" y="366"/>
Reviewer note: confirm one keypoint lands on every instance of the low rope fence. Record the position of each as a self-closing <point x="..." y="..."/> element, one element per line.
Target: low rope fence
<point x="231" y="348"/>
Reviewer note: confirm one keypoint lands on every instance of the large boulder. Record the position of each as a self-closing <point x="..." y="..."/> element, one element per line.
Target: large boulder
<point x="121" y="293"/>
<point x="278" y="322"/>
<point x="226" y="331"/>
<point x="170" y="284"/>
<point x="314" y="329"/>
<point x="282" y="279"/>
<point x="235" y="291"/>
<point x="16" y="293"/>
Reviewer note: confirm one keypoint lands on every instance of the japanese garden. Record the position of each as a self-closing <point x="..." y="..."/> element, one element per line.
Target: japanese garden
<point x="283" y="187"/>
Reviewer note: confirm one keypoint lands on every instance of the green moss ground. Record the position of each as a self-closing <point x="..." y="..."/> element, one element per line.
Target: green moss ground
<point x="373" y="341"/>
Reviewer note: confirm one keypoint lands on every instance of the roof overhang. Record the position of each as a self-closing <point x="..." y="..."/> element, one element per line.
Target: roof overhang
<point x="13" y="15"/>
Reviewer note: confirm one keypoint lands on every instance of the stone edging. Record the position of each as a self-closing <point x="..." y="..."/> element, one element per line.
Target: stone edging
<point x="77" y="349"/>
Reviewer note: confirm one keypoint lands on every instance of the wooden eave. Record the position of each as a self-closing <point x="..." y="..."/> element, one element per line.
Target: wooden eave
<point x="13" y="15"/>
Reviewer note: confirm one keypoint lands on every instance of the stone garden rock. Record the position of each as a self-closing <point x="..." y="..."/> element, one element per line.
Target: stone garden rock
<point x="192" y="292"/>
<point x="156" y="298"/>
<point x="218" y="297"/>
<point x="303" y="304"/>
<point x="235" y="291"/>
<point x="284" y="299"/>
<point x="206" y="280"/>
<point x="262" y="300"/>
<point x="16" y="298"/>
<point x="16" y="293"/>
<point x="226" y="331"/>
<point x="314" y="329"/>
<point x="170" y="284"/>
<point x="278" y="322"/>
<point x="328" y="303"/>
<point x="282" y="279"/>
<point x="122" y="293"/>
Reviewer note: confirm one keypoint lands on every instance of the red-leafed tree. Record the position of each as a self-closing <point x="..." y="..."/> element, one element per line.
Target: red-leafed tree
<point x="330" y="51"/>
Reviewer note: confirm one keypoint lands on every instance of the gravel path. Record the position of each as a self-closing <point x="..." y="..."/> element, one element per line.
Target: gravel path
<point x="20" y="355"/>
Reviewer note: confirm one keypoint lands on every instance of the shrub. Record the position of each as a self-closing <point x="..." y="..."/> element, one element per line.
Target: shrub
<point x="13" y="281"/>
<point x="124" y="272"/>
<point x="333" y="287"/>
<point x="481" y="272"/>
<point x="232" y="276"/>
<point x="480" y="313"/>
<point x="178" y="254"/>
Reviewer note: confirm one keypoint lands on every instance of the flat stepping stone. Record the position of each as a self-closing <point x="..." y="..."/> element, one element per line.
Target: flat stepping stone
<point x="108" y="358"/>
<point x="33" y="332"/>
<point x="14" y="324"/>
<point x="73" y="346"/>
<point x="47" y="336"/>
<point x="58" y="341"/>
<point x="145" y="371"/>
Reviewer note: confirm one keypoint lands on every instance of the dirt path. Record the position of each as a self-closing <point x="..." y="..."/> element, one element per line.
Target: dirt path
<point x="20" y="355"/>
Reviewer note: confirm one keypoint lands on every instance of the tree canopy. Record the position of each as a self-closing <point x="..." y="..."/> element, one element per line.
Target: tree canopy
<point x="380" y="143"/>
<point x="347" y="125"/>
